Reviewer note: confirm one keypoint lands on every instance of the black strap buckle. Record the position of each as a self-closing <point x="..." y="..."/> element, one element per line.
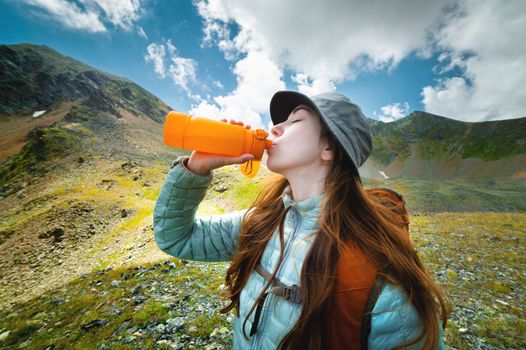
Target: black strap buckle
<point x="292" y="294"/>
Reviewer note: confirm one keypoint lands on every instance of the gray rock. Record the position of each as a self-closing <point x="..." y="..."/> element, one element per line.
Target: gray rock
<point x="4" y="335"/>
<point x="170" y="344"/>
<point x="160" y="328"/>
<point x="139" y="299"/>
<point x="94" y="324"/>
<point x="116" y="283"/>
<point x="175" y="322"/>
<point x="220" y="188"/>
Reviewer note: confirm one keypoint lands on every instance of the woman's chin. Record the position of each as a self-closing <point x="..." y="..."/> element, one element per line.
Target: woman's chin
<point x="275" y="168"/>
<point x="271" y="166"/>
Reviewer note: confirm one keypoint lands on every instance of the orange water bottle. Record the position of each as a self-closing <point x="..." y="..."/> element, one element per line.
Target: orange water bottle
<point x="211" y="136"/>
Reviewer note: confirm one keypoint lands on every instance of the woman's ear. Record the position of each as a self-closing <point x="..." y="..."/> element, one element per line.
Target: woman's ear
<point x="326" y="154"/>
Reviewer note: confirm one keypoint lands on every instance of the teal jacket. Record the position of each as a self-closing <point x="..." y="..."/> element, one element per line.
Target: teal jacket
<point x="180" y="233"/>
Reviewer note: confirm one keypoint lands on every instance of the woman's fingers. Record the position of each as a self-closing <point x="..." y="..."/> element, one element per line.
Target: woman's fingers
<point x="204" y="162"/>
<point x="243" y="158"/>
<point x="232" y="121"/>
<point x="237" y="160"/>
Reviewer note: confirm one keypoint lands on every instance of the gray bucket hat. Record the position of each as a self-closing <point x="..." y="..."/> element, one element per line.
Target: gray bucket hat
<point x="343" y="118"/>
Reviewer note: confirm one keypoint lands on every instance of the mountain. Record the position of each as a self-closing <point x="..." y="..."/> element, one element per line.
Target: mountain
<point x="425" y="145"/>
<point x="78" y="183"/>
<point x="38" y="77"/>
<point x="93" y="112"/>
<point x="87" y="112"/>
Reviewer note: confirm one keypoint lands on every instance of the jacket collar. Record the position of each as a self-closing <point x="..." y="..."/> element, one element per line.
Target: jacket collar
<point x="307" y="208"/>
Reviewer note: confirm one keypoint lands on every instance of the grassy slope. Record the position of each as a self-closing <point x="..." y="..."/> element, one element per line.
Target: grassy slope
<point x="482" y="279"/>
<point x="430" y="146"/>
<point x="478" y="257"/>
<point x="98" y="239"/>
<point x="433" y="195"/>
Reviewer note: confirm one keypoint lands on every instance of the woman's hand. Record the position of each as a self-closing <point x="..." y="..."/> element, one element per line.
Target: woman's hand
<point x="203" y="163"/>
<point x="232" y="121"/>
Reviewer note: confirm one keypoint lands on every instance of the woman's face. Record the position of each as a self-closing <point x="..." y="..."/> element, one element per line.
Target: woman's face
<point x="296" y="142"/>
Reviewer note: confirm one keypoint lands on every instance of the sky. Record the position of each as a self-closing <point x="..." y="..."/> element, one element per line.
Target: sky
<point x="462" y="59"/>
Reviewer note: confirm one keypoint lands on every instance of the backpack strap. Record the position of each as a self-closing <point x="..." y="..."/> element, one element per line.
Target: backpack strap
<point x="291" y="293"/>
<point x="368" y="313"/>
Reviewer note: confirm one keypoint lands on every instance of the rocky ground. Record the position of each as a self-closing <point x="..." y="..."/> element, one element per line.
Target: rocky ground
<point x="479" y="259"/>
<point x="79" y="268"/>
<point x="166" y="305"/>
<point x="100" y="215"/>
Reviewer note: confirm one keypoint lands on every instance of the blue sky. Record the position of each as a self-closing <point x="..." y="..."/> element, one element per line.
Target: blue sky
<point x="225" y="58"/>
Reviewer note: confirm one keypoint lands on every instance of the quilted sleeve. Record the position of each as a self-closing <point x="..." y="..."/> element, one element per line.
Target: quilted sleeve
<point x="395" y="321"/>
<point x="177" y="230"/>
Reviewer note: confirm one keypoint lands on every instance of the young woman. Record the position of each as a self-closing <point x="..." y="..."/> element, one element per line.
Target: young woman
<point x="316" y="263"/>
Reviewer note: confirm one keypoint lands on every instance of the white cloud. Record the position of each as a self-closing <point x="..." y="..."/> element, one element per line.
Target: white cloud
<point x="257" y="80"/>
<point x="319" y="45"/>
<point x="444" y="98"/>
<point x="483" y="39"/>
<point x="324" y="43"/>
<point x="91" y="15"/>
<point x="168" y="64"/>
<point x="182" y="71"/>
<point x="322" y="46"/>
<point x="310" y="86"/>
<point x="121" y="13"/>
<point x="156" y="54"/>
<point x="142" y="33"/>
<point x="392" y="112"/>
<point x="171" y="48"/>
<point x="70" y="15"/>
<point x="218" y="84"/>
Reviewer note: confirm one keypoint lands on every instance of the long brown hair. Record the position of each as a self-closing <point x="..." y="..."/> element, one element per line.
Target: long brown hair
<point x="348" y="215"/>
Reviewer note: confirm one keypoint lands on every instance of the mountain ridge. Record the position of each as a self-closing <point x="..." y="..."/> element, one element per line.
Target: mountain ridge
<point x="417" y="145"/>
<point x="431" y="139"/>
<point x="88" y="112"/>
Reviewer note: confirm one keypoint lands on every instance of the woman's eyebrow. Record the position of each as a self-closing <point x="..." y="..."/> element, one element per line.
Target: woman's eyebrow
<point x="300" y="108"/>
<point x="297" y="109"/>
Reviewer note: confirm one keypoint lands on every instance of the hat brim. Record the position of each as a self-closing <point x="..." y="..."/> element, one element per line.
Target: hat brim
<point x="284" y="102"/>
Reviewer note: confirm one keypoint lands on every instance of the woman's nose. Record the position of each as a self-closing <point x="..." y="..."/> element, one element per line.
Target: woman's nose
<point x="275" y="130"/>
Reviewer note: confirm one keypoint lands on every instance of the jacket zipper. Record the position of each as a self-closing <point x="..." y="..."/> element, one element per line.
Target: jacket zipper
<point x="270" y="298"/>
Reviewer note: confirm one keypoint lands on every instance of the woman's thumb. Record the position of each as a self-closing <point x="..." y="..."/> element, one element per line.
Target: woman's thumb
<point x="244" y="157"/>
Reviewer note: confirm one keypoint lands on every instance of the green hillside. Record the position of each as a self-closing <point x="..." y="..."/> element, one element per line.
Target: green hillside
<point x="87" y="112"/>
<point x="435" y="135"/>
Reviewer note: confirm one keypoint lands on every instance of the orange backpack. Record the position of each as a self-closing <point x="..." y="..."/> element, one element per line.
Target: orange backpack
<point x="358" y="286"/>
<point x="393" y="200"/>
